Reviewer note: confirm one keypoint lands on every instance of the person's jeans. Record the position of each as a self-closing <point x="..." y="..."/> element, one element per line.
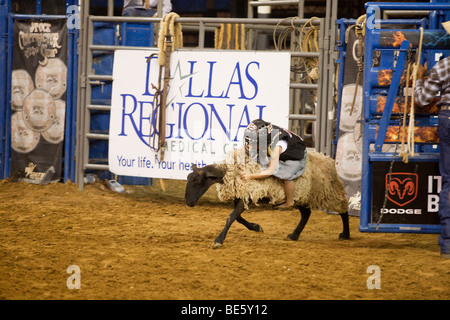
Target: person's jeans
<point x="444" y="168"/>
<point x="137" y="12"/>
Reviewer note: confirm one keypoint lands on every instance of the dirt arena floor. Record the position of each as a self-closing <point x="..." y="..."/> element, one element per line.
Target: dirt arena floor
<point x="147" y="244"/>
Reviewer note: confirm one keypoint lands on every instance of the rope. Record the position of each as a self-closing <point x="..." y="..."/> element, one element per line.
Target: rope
<point x="360" y="34"/>
<point x="411" y="112"/>
<point x="360" y="24"/>
<point x="411" y="128"/>
<point x="170" y="38"/>
<point x="307" y="41"/>
<point x="170" y="34"/>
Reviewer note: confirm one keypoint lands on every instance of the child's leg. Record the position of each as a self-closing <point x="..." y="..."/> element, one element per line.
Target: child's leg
<point x="289" y="188"/>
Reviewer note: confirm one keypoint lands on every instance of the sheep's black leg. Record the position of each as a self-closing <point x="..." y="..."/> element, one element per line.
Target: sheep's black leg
<point x="238" y="209"/>
<point x="250" y="225"/>
<point x="305" y="212"/>
<point x="346" y="230"/>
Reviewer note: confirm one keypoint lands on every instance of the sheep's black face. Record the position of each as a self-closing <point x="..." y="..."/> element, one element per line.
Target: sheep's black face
<point x="199" y="181"/>
<point x="196" y="186"/>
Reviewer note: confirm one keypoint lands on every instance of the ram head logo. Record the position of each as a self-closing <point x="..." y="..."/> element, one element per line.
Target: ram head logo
<point x="403" y="187"/>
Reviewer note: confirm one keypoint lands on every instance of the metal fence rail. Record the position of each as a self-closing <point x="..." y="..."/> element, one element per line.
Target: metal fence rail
<point x="323" y="114"/>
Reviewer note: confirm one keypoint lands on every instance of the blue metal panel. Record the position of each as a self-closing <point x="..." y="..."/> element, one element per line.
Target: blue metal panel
<point x="341" y="47"/>
<point x="70" y="125"/>
<point x="4" y="11"/>
<point x="71" y="111"/>
<point x="107" y="33"/>
<point x="393" y="92"/>
<point x="425" y="152"/>
<point x="8" y="98"/>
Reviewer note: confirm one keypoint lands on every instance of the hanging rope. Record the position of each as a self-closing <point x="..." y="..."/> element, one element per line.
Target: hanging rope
<point x="360" y="25"/>
<point x="170" y="38"/>
<point x="411" y="112"/>
<point x="360" y="31"/>
<point x="410" y="135"/>
<point x="307" y="36"/>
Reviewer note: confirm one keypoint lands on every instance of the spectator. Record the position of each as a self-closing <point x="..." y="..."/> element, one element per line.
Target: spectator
<point x="144" y="8"/>
<point x="438" y="85"/>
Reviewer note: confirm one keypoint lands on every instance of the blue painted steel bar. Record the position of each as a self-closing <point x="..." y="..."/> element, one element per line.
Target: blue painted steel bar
<point x="38" y="7"/>
<point x="71" y="103"/>
<point x="408" y="5"/>
<point x="392" y="94"/>
<point x="384" y="21"/>
<point x="387" y="157"/>
<point x="400" y="228"/>
<point x="432" y="38"/>
<point x="341" y="48"/>
<point x="4" y="11"/>
<point x="37" y="16"/>
<point x="73" y="124"/>
<point x="8" y="98"/>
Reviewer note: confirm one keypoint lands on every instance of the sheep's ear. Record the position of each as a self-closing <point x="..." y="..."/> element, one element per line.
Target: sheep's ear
<point x="214" y="173"/>
<point x="194" y="167"/>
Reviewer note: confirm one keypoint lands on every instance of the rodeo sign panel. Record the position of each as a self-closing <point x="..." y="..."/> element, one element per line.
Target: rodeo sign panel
<point x="211" y="98"/>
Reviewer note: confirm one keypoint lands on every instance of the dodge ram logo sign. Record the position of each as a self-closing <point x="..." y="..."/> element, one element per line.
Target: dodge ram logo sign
<point x="403" y="187"/>
<point x="410" y="196"/>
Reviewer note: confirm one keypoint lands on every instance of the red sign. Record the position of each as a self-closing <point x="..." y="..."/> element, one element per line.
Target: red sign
<point x="402" y="188"/>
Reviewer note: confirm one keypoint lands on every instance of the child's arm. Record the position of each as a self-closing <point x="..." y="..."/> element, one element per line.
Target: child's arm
<point x="274" y="158"/>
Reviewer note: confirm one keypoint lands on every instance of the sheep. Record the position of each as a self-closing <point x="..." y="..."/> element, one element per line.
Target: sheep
<point x="319" y="188"/>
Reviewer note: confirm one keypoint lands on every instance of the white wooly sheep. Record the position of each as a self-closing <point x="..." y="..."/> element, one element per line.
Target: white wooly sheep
<point x="318" y="188"/>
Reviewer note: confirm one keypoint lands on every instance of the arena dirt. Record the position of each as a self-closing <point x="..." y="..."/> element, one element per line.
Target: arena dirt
<point x="146" y="244"/>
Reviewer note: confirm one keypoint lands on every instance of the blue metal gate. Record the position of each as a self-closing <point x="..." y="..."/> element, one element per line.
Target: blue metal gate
<point x="7" y="19"/>
<point x="387" y="53"/>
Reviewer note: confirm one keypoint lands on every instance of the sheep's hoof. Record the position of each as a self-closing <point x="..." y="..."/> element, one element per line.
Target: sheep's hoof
<point x="260" y="229"/>
<point x="217" y="245"/>
<point x="292" y="237"/>
<point x="343" y="236"/>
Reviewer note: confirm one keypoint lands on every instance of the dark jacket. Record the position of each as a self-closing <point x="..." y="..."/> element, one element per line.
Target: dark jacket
<point x="295" y="145"/>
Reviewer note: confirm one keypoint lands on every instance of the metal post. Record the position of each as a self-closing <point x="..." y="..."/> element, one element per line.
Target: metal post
<point x="262" y="40"/>
<point x="332" y="55"/>
<point x="318" y="110"/>
<point x="301" y="9"/>
<point x="110" y="8"/>
<point x="87" y="98"/>
<point x="201" y="35"/>
<point x="159" y="8"/>
<point x="321" y="109"/>
<point x="38" y="7"/>
<point x="81" y="93"/>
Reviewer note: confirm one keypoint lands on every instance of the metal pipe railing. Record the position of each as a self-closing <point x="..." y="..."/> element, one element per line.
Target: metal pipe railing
<point x="202" y="24"/>
<point x="95" y="47"/>
<point x="208" y="20"/>
<point x="272" y="3"/>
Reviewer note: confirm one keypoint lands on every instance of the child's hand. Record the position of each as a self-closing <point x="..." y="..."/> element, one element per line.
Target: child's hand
<point x="246" y="177"/>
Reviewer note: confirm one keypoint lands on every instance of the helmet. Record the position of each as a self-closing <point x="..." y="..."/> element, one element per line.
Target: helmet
<point x="259" y="136"/>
